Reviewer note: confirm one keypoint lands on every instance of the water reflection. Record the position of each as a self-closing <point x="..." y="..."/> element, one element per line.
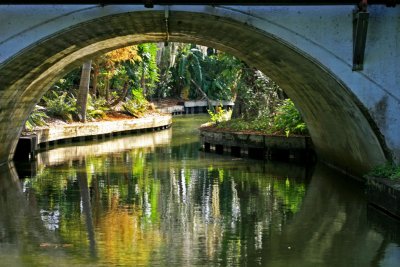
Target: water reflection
<point x="76" y="151"/>
<point x="22" y="231"/>
<point x="167" y="203"/>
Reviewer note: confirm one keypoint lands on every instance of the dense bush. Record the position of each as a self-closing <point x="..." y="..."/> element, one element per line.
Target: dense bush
<point x="137" y="105"/>
<point x="96" y="108"/>
<point x="37" y="118"/>
<point x="220" y="115"/>
<point x="259" y="124"/>
<point x="288" y="119"/>
<point x="388" y="170"/>
<point x="62" y="106"/>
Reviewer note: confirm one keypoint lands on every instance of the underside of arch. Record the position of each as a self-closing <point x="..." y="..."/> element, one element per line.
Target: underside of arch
<point x="341" y="131"/>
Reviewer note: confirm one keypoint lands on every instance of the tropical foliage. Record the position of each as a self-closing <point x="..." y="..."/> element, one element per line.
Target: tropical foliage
<point x="288" y="119"/>
<point x="127" y="78"/>
<point x="137" y="105"/>
<point x="220" y="115"/>
<point x="36" y="118"/>
<point x="97" y="108"/>
<point x="63" y="105"/>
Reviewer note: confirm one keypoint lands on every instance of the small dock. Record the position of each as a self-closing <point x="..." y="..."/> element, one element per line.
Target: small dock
<point x="201" y="106"/>
<point x="192" y="107"/>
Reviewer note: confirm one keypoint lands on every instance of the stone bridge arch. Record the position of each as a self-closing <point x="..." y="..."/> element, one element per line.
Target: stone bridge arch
<point x="344" y="132"/>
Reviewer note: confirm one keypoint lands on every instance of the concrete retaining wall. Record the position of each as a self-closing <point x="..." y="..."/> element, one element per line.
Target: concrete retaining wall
<point x="44" y="137"/>
<point x="257" y="146"/>
<point x="385" y="194"/>
<point x="77" y="130"/>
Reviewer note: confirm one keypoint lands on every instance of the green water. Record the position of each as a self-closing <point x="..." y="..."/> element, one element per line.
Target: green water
<point x="155" y="200"/>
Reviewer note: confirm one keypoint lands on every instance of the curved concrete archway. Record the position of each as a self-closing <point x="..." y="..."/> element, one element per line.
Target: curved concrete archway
<point x="342" y="132"/>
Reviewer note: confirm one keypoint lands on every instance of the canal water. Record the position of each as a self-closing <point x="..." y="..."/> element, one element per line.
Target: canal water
<point x="154" y="199"/>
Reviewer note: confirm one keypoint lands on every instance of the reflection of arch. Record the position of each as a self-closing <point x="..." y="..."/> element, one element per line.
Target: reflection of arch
<point x="20" y="220"/>
<point x="340" y="130"/>
<point x="331" y="221"/>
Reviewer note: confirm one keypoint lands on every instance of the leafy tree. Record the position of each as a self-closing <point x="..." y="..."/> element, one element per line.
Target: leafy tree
<point x="257" y="95"/>
<point x="165" y="61"/>
<point x="187" y="71"/>
<point x="221" y="75"/>
<point x="147" y="69"/>
<point x="114" y="63"/>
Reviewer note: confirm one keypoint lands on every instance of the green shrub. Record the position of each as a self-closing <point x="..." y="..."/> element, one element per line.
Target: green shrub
<point x="96" y="108"/>
<point x="220" y="115"/>
<point x="36" y="118"/>
<point x="137" y="105"/>
<point x="288" y="119"/>
<point x="388" y="170"/>
<point x="62" y="106"/>
<point x="259" y="124"/>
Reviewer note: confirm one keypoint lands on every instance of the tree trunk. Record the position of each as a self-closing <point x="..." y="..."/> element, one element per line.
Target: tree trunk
<point x="172" y="58"/>
<point x="237" y="111"/>
<point x="210" y="106"/>
<point x="143" y="80"/>
<point x="96" y="71"/>
<point x="107" y="88"/>
<point x="123" y="95"/>
<point x="160" y="52"/>
<point x="83" y="91"/>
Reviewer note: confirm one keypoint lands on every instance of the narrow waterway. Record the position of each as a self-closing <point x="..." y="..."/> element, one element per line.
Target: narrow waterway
<point x="154" y="199"/>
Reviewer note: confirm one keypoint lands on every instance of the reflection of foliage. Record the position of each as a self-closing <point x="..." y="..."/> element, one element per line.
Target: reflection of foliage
<point x="128" y="209"/>
<point x="141" y="200"/>
<point x="291" y="192"/>
<point x="127" y="241"/>
<point x="51" y="181"/>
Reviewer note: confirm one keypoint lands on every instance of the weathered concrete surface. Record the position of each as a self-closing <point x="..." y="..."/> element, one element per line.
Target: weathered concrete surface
<point x="352" y="116"/>
<point x="385" y="194"/>
<point x="176" y="109"/>
<point x="203" y="103"/>
<point x="73" y="130"/>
